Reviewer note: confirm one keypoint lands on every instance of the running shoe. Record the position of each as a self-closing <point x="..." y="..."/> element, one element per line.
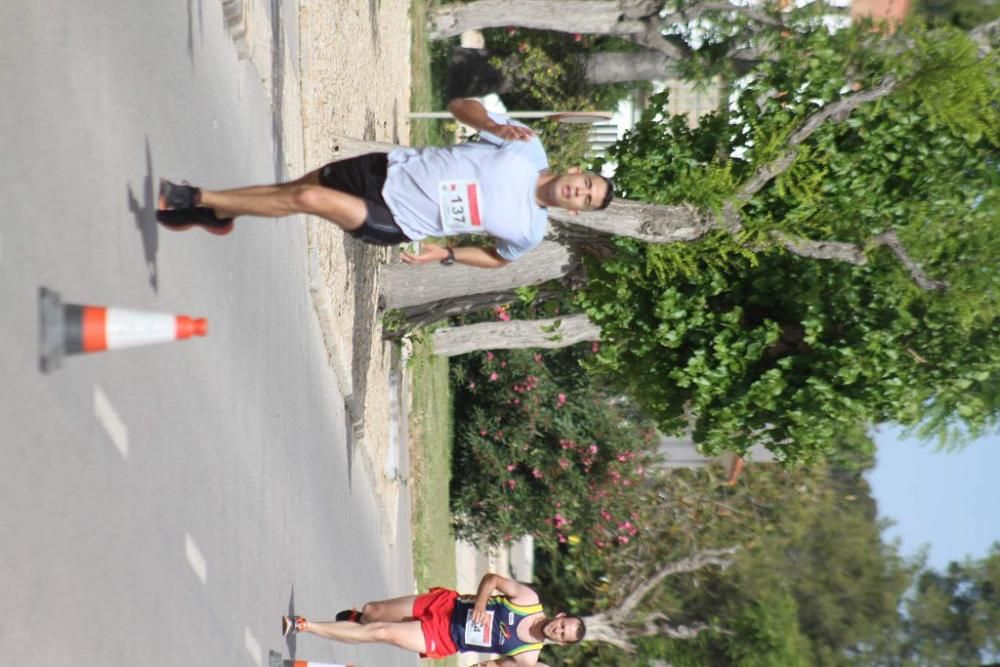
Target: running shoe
<point x="177" y="195"/>
<point x="201" y="216"/>
<point x="291" y="625"/>
<point x="352" y="615"/>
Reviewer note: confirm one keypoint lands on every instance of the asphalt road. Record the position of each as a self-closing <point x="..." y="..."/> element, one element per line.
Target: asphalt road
<point x="164" y="505"/>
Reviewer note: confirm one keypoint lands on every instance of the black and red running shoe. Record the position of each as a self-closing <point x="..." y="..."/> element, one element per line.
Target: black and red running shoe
<point x="291" y="625"/>
<point x="179" y="208"/>
<point x="198" y="216"/>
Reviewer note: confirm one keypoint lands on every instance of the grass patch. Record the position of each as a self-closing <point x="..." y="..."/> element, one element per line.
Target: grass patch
<point x="426" y="80"/>
<point x="430" y="472"/>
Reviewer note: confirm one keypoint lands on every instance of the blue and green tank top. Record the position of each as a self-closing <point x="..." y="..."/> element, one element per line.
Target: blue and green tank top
<point x="497" y="636"/>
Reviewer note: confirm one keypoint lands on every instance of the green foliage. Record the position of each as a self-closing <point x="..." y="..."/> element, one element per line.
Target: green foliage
<point x="814" y="585"/>
<point x="953" y="617"/>
<point x="545" y="70"/>
<point x="964" y="14"/>
<point x="958" y="88"/>
<point x="540" y="451"/>
<point x="761" y="346"/>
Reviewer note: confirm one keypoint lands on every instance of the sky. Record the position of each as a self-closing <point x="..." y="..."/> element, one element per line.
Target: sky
<point x="949" y="501"/>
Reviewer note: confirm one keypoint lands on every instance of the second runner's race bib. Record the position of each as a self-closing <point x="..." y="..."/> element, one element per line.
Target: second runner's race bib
<point x="478" y="635"/>
<point x="459" y="202"/>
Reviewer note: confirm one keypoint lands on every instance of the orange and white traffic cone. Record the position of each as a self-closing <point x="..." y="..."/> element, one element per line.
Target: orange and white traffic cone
<point x="74" y="329"/>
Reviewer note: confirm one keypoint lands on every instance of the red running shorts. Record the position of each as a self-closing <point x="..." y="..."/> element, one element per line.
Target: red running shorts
<point x="433" y="610"/>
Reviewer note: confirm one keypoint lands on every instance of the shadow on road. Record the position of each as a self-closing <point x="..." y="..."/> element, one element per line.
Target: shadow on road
<point x="190" y="28"/>
<point x="277" y="86"/>
<point x="290" y="639"/>
<point x="144" y="211"/>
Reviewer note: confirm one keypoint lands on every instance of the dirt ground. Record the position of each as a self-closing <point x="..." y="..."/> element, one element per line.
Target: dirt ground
<point x="355" y="82"/>
<point x="337" y="71"/>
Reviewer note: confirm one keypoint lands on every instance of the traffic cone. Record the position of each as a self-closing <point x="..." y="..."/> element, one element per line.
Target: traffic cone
<point x="74" y="329"/>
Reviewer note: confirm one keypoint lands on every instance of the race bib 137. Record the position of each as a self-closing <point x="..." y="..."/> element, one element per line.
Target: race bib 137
<point x="460" y="203"/>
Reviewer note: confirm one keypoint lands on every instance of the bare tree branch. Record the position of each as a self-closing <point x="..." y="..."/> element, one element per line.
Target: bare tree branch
<point x="837" y="111"/>
<point x="854" y="254"/>
<point x="720" y="557"/>
<point x="840" y="251"/>
<point x="890" y="240"/>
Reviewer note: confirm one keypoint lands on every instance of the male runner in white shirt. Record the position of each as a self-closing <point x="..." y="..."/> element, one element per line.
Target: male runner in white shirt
<point x="500" y="186"/>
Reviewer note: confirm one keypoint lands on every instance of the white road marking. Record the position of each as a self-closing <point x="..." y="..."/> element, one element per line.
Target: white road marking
<point x="194" y="558"/>
<point x="253" y="647"/>
<point x="112" y="423"/>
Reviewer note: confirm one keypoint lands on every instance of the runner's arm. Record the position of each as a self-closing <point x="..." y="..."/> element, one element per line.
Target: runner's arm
<point x="515" y="591"/>
<point x="497" y="662"/>
<point x="522" y="660"/>
<point x="472" y="113"/>
<point x="483" y="258"/>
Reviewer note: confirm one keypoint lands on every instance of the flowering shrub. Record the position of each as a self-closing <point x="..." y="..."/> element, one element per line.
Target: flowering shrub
<point x="541" y="451"/>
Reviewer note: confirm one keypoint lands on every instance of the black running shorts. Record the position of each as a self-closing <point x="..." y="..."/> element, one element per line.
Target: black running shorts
<point x="364" y="176"/>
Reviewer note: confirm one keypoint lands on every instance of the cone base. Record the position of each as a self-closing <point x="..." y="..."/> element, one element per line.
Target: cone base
<point x="51" y="330"/>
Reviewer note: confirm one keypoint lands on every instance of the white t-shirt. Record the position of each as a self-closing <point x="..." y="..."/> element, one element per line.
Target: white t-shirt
<point x="485" y="187"/>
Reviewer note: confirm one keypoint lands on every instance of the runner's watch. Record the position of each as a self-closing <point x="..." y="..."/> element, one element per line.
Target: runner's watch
<point x="450" y="259"/>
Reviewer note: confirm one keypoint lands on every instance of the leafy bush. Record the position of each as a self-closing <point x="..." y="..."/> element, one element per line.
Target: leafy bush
<point x="540" y="452"/>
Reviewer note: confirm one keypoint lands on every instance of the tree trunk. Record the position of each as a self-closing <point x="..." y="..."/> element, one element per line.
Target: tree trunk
<point x="613" y="67"/>
<point x="653" y="223"/>
<point x="517" y="334"/>
<point x="603" y="628"/>
<point x="594" y="17"/>
<point x="620" y="625"/>
<point x="405" y="287"/>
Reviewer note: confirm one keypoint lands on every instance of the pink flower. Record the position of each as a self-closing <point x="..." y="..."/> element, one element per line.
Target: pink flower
<point x="489" y="356"/>
<point x="560" y="400"/>
<point x="493" y="376"/>
<point x="511" y="483"/>
<point x="536" y="473"/>
<point x="622" y="539"/>
<point x="577" y="37"/>
<point x="472" y="385"/>
<point x="606" y="515"/>
<point x="510" y="467"/>
<point x="564" y="464"/>
<point x="562" y="538"/>
<point x="595" y="346"/>
<point x="482" y="431"/>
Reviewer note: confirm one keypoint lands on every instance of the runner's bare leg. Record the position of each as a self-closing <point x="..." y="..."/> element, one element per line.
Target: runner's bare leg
<point x="304" y="195"/>
<point x="394" y="610"/>
<point x="407" y="635"/>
